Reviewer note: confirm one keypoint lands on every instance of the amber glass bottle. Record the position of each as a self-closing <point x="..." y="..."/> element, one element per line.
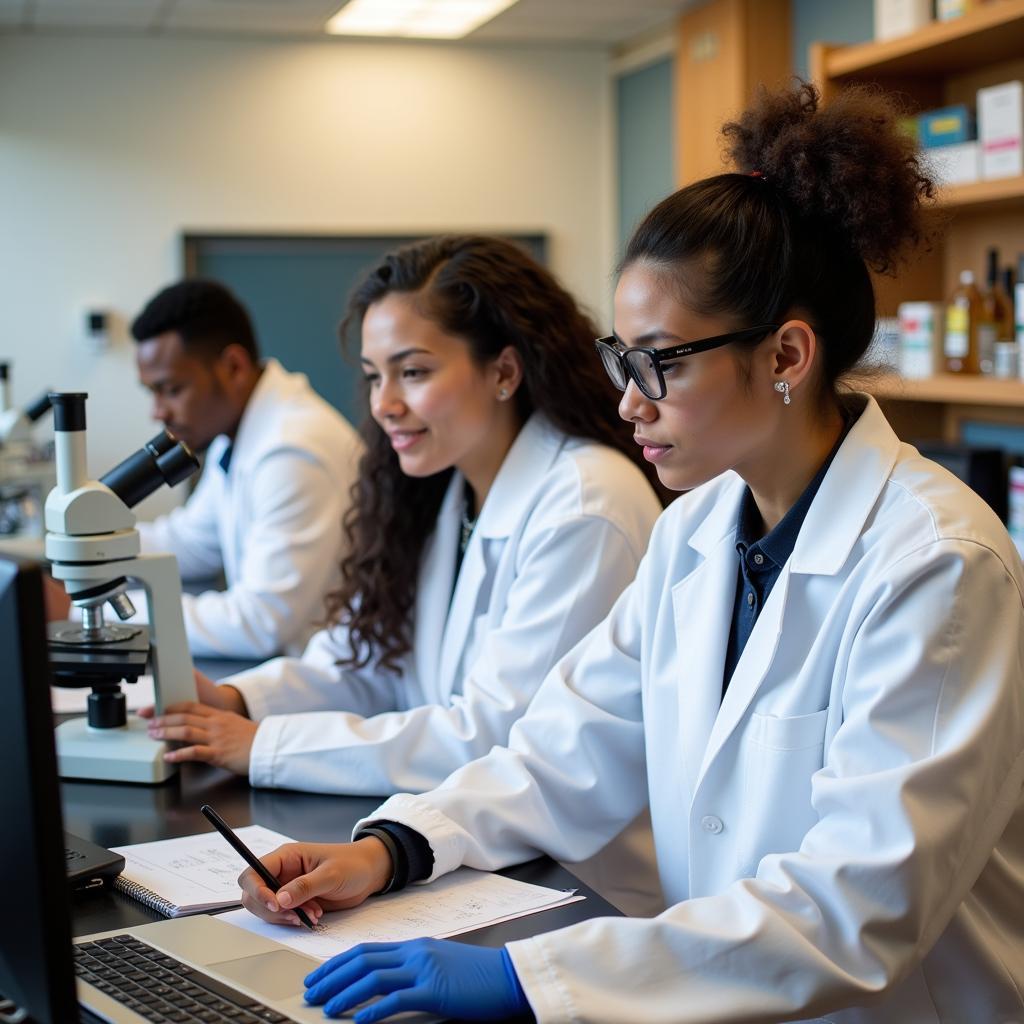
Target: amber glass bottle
<point x="996" y="326"/>
<point x="963" y="317"/>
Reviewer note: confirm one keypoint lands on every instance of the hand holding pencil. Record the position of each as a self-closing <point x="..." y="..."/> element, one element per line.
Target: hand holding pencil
<point x="309" y="879"/>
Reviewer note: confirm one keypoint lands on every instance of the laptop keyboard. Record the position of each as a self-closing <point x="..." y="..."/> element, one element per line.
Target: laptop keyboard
<point x="161" y="989"/>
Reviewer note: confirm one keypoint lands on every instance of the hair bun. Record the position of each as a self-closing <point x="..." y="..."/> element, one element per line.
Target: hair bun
<point x="847" y="166"/>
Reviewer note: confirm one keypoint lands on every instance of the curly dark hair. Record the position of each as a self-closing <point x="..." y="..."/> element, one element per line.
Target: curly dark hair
<point x="492" y="294"/>
<point x="822" y="195"/>
<point x="207" y="315"/>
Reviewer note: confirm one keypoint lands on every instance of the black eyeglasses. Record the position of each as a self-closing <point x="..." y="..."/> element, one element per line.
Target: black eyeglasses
<point x="643" y="365"/>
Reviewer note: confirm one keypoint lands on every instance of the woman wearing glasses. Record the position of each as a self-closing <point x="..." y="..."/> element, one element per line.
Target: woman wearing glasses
<point x="498" y="513"/>
<point x="815" y="679"/>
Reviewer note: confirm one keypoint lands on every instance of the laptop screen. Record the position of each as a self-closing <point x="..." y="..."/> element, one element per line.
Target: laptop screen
<point x="36" y="970"/>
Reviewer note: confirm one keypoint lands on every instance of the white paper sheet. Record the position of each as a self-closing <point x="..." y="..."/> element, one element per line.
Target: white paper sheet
<point x="70" y="702"/>
<point x="455" y="903"/>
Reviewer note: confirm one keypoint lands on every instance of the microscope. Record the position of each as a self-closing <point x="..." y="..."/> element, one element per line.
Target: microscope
<point x="26" y="467"/>
<point x="94" y="550"/>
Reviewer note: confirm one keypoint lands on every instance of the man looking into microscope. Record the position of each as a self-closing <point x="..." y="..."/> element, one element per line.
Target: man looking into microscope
<point x="279" y="465"/>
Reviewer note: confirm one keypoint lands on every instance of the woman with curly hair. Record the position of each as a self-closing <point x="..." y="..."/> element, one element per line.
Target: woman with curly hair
<point x="815" y="680"/>
<point x="497" y="515"/>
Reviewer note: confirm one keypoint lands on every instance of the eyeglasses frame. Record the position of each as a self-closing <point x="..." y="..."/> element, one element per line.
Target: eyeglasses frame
<point x="663" y="355"/>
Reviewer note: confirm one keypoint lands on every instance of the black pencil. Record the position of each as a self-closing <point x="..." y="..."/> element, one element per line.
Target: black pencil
<point x="249" y="857"/>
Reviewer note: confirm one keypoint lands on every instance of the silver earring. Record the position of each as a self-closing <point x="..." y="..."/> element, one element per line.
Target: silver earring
<point x="782" y="386"/>
<point x="503" y="394"/>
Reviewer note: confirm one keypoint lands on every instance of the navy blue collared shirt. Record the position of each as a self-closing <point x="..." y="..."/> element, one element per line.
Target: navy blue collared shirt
<point x="762" y="558"/>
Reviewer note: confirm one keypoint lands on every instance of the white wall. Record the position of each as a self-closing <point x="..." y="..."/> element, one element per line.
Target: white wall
<point x="110" y="147"/>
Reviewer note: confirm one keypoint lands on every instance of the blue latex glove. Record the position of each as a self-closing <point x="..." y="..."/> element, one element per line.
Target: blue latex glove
<point x="448" y="978"/>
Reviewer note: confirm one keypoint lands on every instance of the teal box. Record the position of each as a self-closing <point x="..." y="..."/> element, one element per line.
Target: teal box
<point x="946" y="126"/>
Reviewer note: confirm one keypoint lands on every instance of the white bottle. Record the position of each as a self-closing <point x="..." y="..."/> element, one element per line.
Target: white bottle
<point x="921" y="348"/>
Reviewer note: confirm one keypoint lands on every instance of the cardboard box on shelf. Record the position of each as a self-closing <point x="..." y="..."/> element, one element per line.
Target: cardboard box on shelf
<point x="954" y="165"/>
<point x="900" y="17"/>
<point x="946" y="126"/>
<point x="1001" y="130"/>
<point x="947" y="10"/>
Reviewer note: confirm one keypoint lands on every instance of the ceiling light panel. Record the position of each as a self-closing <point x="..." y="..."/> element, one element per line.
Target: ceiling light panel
<point x="423" y="19"/>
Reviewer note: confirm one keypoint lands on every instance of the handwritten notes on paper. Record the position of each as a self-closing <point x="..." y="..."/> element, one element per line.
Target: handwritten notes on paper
<point x="459" y="902"/>
<point x="193" y="873"/>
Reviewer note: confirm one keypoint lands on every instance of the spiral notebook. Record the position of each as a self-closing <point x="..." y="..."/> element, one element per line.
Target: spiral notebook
<point x="191" y="874"/>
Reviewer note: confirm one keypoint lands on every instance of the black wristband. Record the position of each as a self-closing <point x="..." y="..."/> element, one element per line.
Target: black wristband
<point x="419" y="857"/>
<point x="399" y="866"/>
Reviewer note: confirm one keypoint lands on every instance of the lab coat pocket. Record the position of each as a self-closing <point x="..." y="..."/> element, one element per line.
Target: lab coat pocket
<point x="780" y="756"/>
<point x="797" y="732"/>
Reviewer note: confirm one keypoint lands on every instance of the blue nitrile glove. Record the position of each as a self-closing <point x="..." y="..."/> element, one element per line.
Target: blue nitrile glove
<point x="448" y="978"/>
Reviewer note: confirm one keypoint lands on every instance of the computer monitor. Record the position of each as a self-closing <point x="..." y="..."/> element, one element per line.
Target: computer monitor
<point x="36" y="967"/>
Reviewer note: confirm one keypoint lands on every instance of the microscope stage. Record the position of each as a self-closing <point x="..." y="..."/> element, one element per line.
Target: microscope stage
<point x="80" y="665"/>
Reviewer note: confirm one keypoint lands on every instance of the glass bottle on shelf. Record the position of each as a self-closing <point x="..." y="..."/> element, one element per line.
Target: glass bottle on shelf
<point x="995" y="326"/>
<point x="963" y="315"/>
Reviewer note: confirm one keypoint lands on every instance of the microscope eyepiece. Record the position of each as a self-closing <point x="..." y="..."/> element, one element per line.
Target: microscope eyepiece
<point x="37" y="409"/>
<point x="161" y="444"/>
<point x="68" y="410"/>
<point x="161" y="460"/>
<point x="177" y="464"/>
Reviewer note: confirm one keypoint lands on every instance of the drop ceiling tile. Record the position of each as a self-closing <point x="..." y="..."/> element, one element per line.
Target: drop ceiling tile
<point x="270" y="17"/>
<point x="114" y="14"/>
<point x="594" y="21"/>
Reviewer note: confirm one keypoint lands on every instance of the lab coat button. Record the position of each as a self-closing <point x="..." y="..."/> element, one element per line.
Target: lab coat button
<point x="711" y="824"/>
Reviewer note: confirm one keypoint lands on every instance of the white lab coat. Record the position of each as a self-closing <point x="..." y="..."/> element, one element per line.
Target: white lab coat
<point x="843" y="838"/>
<point x="561" y="533"/>
<point x="272" y="523"/>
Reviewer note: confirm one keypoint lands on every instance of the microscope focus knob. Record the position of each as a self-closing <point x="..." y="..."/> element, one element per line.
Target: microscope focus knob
<point x="122" y="604"/>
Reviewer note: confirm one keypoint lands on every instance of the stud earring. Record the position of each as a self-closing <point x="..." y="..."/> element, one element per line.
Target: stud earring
<point x="503" y="394"/>
<point x="782" y="386"/>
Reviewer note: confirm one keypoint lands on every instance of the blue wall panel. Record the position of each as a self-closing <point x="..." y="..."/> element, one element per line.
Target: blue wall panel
<point x="829" y="21"/>
<point x="646" y="142"/>
<point x="646" y="119"/>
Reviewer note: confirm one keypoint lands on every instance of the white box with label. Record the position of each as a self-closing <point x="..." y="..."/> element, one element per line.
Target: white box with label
<point x="958" y="164"/>
<point x="900" y="17"/>
<point x="1001" y="130"/>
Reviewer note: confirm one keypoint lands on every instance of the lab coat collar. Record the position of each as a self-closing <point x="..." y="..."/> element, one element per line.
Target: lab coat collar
<point x="272" y="384"/>
<point x="720" y="520"/>
<point x="841" y="507"/>
<point x="833" y="524"/>
<point x="701" y="602"/>
<point x="848" y="493"/>
<point x="535" y="448"/>
<point x="436" y="583"/>
<point x="522" y="472"/>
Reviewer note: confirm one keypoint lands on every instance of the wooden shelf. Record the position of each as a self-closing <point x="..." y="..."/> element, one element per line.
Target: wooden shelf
<point x="945" y="62"/>
<point x="984" y="196"/>
<point x="948" y="388"/>
<point x="991" y="33"/>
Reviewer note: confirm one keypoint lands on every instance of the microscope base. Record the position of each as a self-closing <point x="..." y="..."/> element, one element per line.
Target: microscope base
<point x="126" y="754"/>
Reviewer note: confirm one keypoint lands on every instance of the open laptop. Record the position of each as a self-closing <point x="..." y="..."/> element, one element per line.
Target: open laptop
<point x="181" y="970"/>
